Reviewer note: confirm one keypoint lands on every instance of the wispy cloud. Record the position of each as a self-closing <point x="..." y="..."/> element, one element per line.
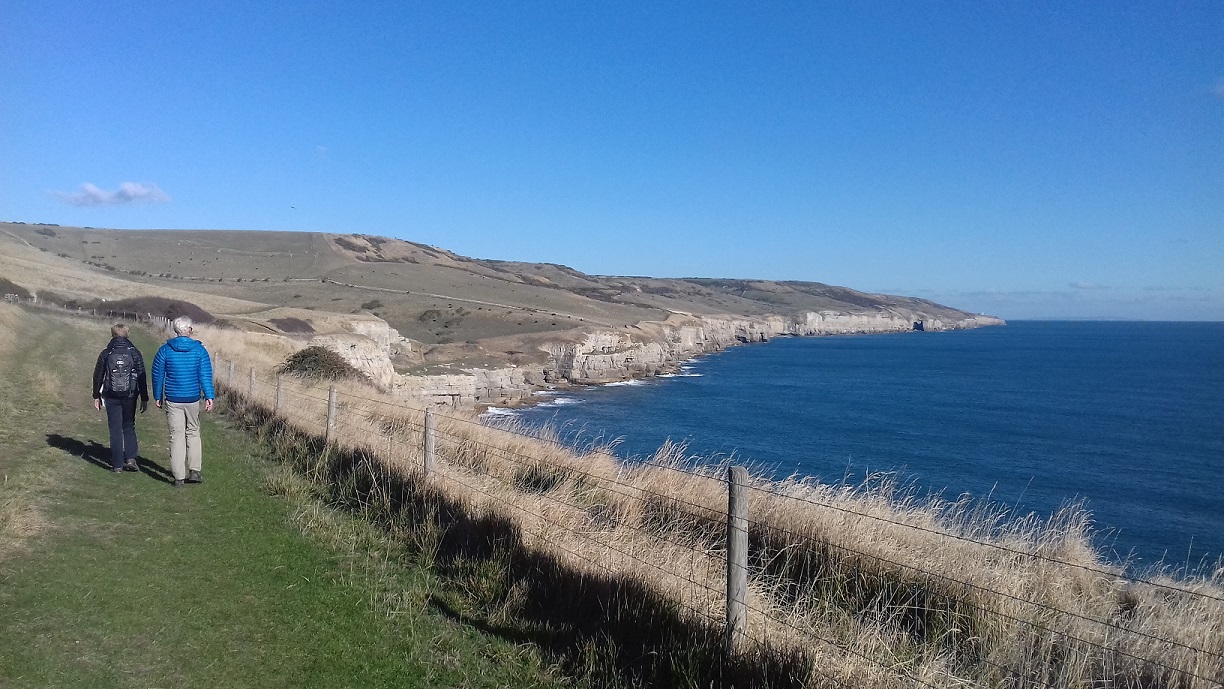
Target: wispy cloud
<point x="1164" y="288"/>
<point x="1218" y="89"/>
<point x="128" y="192"/>
<point x="1087" y="285"/>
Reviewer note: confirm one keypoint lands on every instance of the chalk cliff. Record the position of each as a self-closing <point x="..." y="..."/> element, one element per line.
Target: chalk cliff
<point x="653" y="348"/>
<point x="592" y="356"/>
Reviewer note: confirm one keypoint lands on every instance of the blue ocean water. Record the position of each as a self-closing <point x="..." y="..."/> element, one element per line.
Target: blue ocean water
<point x="1128" y="416"/>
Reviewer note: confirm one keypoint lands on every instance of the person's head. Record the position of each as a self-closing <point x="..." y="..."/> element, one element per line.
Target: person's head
<point x="182" y="326"/>
<point x="119" y="330"/>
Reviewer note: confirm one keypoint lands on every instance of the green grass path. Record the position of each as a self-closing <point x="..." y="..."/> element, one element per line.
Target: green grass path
<point x="133" y="583"/>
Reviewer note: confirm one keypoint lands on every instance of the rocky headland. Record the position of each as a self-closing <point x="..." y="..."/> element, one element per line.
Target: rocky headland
<point x="592" y="357"/>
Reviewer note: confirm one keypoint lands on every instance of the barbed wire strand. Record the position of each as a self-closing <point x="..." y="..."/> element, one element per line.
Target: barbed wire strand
<point x="1122" y="575"/>
<point x="509" y="455"/>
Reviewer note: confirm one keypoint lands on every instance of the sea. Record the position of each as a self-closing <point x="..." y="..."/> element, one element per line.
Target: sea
<point x="1126" y="418"/>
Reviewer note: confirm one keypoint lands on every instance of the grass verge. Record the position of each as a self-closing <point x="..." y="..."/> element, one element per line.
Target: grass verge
<point x="246" y="580"/>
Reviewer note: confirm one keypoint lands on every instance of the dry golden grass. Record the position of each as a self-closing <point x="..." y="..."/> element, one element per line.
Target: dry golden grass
<point x="38" y="271"/>
<point x="27" y="393"/>
<point x="10" y="318"/>
<point x="263" y="351"/>
<point x="874" y="586"/>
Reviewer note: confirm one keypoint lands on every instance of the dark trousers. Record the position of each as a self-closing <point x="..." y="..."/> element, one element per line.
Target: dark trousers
<point x="121" y="417"/>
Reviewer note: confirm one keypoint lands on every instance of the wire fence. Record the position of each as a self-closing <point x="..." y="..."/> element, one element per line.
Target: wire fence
<point x="723" y="546"/>
<point x="730" y="550"/>
<point x="100" y="313"/>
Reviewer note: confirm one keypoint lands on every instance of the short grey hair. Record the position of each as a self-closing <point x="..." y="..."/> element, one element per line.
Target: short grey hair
<point x="182" y="325"/>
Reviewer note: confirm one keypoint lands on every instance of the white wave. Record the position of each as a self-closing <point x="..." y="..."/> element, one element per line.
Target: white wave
<point x="500" y="411"/>
<point x="561" y="401"/>
<point x="624" y="383"/>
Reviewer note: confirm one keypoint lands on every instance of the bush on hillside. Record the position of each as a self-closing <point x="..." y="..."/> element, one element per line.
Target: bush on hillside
<point x="319" y="363"/>
<point x="292" y="325"/>
<point x="159" y="306"/>
<point x="9" y="287"/>
<point x="47" y="296"/>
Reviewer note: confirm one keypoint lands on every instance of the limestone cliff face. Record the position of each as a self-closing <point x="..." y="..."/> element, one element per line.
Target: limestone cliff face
<point x="375" y="329"/>
<point x="604" y="356"/>
<point x="653" y="348"/>
<point x="468" y="387"/>
<point x="363" y="354"/>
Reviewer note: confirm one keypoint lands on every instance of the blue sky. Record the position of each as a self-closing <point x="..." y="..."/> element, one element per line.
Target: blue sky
<point x="1030" y="160"/>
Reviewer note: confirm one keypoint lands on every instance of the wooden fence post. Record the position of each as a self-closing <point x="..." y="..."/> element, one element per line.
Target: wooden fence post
<point x="280" y="380"/>
<point x="737" y="555"/>
<point x="229" y="378"/>
<point x="331" y="414"/>
<point x="429" y="442"/>
<point x="251" y="387"/>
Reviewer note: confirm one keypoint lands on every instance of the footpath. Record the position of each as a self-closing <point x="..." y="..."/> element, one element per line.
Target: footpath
<point x="120" y="580"/>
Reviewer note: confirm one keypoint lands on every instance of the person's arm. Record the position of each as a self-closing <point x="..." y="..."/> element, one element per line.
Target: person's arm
<point x="159" y="376"/>
<point x="99" y="372"/>
<point x="206" y="379"/>
<point x="142" y="382"/>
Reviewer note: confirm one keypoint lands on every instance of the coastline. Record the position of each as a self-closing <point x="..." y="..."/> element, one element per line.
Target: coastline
<point x="661" y="348"/>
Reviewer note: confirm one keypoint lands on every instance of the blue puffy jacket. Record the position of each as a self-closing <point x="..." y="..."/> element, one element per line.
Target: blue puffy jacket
<point x="181" y="370"/>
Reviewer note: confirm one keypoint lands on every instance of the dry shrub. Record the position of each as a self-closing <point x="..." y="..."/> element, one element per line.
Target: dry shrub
<point x="319" y="363"/>
<point x="9" y="287"/>
<point x="293" y="325"/>
<point x="158" y="306"/>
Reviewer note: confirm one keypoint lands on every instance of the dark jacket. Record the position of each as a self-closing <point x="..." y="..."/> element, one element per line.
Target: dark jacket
<point x="101" y="387"/>
<point x="181" y="371"/>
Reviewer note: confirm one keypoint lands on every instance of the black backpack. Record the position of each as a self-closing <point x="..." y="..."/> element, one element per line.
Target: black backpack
<point x="121" y="374"/>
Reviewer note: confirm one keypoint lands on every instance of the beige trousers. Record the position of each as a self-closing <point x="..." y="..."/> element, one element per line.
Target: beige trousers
<point x="185" y="450"/>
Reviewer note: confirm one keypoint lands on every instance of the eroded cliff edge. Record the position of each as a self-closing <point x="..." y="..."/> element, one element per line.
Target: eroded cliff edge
<point x="507" y="371"/>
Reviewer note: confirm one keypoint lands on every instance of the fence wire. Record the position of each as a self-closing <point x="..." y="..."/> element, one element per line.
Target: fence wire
<point x="453" y="439"/>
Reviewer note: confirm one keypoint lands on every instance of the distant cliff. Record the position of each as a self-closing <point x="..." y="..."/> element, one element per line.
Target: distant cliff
<point x="653" y="348"/>
<point x="428" y="322"/>
<point x="646" y="349"/>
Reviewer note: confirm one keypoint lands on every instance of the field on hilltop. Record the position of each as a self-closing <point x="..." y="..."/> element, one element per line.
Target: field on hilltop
<point x="428" y="294"/>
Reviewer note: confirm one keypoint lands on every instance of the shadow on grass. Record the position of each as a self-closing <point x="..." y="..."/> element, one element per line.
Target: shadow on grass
<point x="93" y="452"/>
<point x="154" y="470"/>
<point x="606" y="630"/>
<point x="98" y="455"/>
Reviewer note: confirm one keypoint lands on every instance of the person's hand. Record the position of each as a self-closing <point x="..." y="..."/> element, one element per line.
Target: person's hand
<point x="144" y="404"/>
<point x="208" y="405"/>
<point x="98" y="404"/>
<point x="157" y="403"/>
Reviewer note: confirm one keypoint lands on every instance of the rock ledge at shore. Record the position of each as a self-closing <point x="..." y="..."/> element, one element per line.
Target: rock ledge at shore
<point x="606" y="355"/>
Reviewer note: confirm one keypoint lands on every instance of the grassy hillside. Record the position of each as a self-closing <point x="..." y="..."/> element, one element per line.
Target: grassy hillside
<point x="428" y="294"/>
<point x="123" y="581"/>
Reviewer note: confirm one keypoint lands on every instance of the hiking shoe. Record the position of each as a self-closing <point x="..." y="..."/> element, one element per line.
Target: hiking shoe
<point x="117" y="470"/>
<point x="130" y="465"/>
<point x="194" y="477"/>
<point x="178" y="483"/>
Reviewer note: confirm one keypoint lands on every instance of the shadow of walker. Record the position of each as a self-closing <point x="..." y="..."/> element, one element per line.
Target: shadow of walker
<point x="99" y="455"/>
<point x="93" y="452"/>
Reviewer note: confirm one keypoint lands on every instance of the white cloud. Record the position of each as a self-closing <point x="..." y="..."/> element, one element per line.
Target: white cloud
<point x="128" y="192"/>
<point x="1218" y="89"/>
<point x="1088" y="285"/>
